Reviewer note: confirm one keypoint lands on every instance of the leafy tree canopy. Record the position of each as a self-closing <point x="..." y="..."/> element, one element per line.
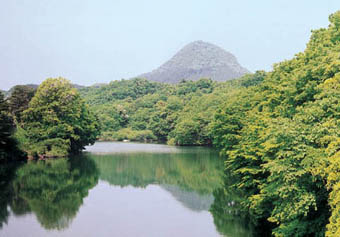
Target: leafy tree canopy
<point x="19" y="99"/>
<point x="58" y="121"/>
<point x="8" y="145"/>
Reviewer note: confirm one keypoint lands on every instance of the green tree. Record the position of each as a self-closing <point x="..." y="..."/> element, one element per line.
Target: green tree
<point x="186" y="132"/>
<point x="163" y="119"/>
<point x="19" y="99"/>
<point x="58" y="121"/>
<point x="8" y="146"/>
<point x="253" y="79"/>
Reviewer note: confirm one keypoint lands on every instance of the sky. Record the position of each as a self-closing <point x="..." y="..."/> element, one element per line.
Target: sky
<point x="97" y="41"/>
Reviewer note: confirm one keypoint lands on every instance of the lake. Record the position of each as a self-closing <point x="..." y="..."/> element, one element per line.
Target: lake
<point x="119" y="189"/>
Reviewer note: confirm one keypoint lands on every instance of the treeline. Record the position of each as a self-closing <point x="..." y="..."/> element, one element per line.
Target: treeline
<point x="181" y="114"/>
<point x="281" y="142"/>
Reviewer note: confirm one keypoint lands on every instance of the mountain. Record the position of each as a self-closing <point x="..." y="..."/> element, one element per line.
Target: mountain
<point x="198" y="60"/>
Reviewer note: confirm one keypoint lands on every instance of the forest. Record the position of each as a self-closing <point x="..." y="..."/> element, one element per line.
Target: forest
<point x="177" y="114"/>
<point x="278" y="131"/>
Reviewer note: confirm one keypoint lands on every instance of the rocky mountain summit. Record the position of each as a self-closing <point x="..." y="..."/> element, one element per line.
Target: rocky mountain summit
<point x="198" y="60"/>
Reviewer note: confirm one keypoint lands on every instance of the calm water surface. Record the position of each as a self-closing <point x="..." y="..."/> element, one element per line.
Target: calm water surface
<point x="118" y="189"/>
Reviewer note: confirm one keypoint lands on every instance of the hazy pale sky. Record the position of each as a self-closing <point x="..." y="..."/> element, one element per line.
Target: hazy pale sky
<point x="92" y="41"/>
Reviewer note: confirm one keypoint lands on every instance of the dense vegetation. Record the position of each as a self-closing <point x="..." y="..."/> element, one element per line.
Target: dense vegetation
<point x="56" y="121"/>
<point x="179" y="114"/>
<point x="8" y="145"/>
<point x="19" y="99"/>
<point x="281" y="141"/>
<point x="49" y="121"/>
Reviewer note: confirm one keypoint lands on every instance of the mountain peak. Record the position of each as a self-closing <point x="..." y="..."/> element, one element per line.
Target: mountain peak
<point x="196" y="60"/>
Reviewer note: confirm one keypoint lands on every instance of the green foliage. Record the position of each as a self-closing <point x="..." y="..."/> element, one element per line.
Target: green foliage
<point x="8" y="145"/>
<point x="186" y="132"/>
<point x="58" y="121"/>
<point x="255" y="79"/>
<point x="169" y="111"/>
<point x="120" y="90"/>
<point x="6" y="127"/>
<point x="19" y="99"/>
<point x="193" y="124"/>
<point x="129" y="134"/>
<point x="280" y="140"/>
<point x="163" y="119"/>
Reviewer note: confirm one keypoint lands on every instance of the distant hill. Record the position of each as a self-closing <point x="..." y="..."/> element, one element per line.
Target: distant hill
<point x="198" y="60"/>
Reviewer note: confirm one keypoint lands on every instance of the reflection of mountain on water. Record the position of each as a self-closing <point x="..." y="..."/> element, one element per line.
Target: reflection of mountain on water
<point x="190" y="199"/>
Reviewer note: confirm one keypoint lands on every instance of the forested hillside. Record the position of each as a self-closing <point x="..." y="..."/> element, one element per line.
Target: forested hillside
<point x="180" y="114"/>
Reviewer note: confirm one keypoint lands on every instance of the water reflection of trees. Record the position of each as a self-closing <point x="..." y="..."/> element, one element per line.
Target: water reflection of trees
<point x="6" y="195"/>
<point x="53" y="189"/>
<point x="190" y="177"/>
<point x="189" y="171"/>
